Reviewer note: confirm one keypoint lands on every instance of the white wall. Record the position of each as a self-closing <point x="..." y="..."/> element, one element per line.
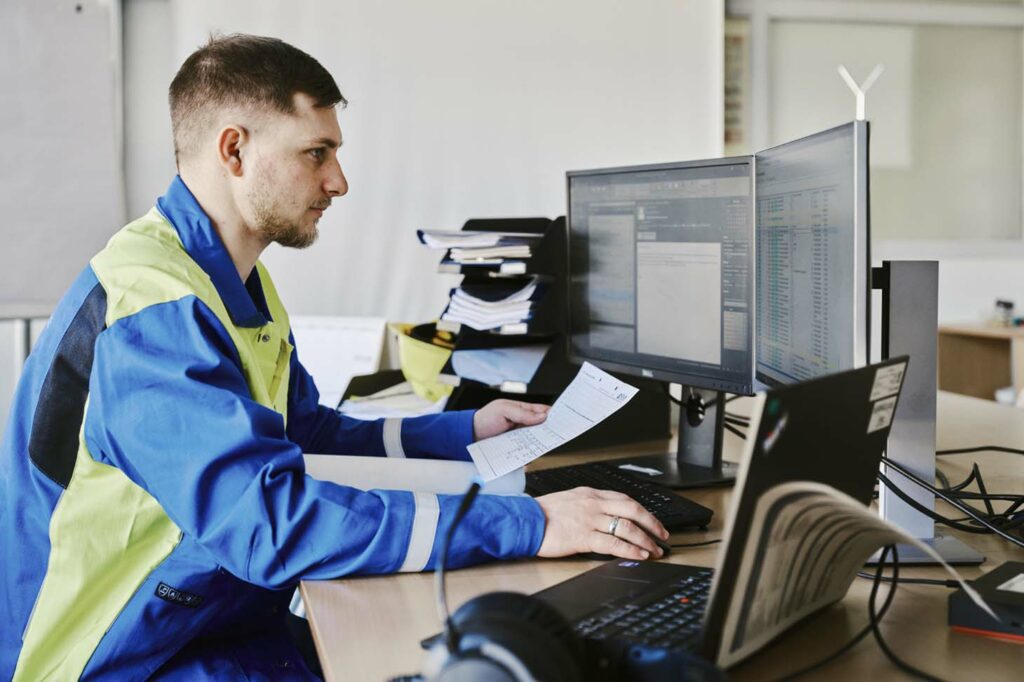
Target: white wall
<point x="61" y="182"/>
<point x="149" y="67"/>
<point x="972" y="275"/>
<point x="459" y="109"/>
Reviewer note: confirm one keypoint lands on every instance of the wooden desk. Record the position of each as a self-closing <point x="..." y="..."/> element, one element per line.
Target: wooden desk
<point x="977" y="360"/>
<point x="370" y="628"/>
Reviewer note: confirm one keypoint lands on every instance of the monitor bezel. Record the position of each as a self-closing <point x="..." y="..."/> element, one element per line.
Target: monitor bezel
<point x="862" y="243"/>
<point x="689" y="378"/>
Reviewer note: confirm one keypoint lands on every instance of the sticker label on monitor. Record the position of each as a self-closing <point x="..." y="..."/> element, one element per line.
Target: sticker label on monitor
<point x="881" y="414"/>
<point x="887" y="381"/>
<point x="1014" y="584"/>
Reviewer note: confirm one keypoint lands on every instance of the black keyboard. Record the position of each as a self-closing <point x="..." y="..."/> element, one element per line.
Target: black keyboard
<point x="672" y="619"/>
<point x="674" y="512"/>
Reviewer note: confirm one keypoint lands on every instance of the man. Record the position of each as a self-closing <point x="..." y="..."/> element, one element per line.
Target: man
<point x="155" y="513"/>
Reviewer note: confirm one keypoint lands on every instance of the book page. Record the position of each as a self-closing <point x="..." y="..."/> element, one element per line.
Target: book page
<point x="806" y="545"/>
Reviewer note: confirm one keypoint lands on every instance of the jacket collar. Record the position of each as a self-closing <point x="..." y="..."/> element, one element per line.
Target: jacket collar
<point x="245" y="302"/>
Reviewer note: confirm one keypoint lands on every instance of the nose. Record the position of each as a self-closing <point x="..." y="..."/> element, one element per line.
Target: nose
<point x="335" y="184"/>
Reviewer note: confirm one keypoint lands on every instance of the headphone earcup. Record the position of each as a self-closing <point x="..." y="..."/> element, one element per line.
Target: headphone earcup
<point x="536" y="634"/>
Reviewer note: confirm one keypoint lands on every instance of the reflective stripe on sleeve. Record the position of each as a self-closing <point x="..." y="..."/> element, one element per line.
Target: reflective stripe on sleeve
<point x="393" y="437"/>
<point x="297" y="606"/>
<point x="424" y="529"/>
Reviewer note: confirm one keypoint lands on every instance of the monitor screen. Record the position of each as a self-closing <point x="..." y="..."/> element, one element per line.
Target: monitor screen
<point x="661" y="271"/>
<point x="813" y="270"/>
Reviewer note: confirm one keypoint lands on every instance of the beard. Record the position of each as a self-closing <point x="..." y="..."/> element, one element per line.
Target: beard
<point x="273" y="228"/>
<point x="269" y="222"/>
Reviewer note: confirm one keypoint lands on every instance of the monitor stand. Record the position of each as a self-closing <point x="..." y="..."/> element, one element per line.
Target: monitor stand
<point x="698" y="461"/>
<point x="910" y="312"/>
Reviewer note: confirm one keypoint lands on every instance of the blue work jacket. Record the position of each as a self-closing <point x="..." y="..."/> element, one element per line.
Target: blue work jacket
<point x="155" y="513"/>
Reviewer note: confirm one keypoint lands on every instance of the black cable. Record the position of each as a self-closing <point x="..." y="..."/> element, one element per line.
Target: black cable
<point x="911" y="581"/>
<point x="857" y="637"/>
<point x="876" y="618"/>
<point x="697" y="544"/>
<point x="736" y="432"/>
<point x="966" y="509"/>
<point x="931" y="513"/>
<point x="451" y="635"/>
<point x="962" y="484"/>
<point x="737" y="423"/>
<point x="1003" y="518"/>
<point x="668" y="392"/>
<point x="996" y="497"/>
<point x="980" y="448"/>
<point x="737" y="417"/>
<point x="976" y="472"/>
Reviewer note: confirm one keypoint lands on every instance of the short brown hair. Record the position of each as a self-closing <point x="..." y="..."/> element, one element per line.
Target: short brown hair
<point x="243" y="71"/>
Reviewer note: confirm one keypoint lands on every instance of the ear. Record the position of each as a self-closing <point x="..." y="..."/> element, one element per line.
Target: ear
<point x="230" y="142"/>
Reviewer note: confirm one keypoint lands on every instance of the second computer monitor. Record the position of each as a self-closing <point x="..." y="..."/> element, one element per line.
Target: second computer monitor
<point x="661" y="271"/>
<point x="814" y="267"/>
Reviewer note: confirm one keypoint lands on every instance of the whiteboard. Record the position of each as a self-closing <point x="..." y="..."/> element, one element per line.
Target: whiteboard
<point x="61" y="181"/>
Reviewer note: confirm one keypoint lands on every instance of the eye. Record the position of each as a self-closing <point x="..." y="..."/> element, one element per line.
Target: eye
<point x="317" y="154"/>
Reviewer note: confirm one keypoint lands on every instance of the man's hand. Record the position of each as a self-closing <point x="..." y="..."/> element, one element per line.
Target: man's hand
<point x="578" y="521"/>
<point x="499" y="416"/>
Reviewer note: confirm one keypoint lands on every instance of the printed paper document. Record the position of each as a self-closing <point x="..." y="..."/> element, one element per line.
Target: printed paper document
<point x="591" y="397"/>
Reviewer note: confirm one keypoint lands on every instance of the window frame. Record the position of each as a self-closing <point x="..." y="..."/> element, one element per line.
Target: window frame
<point x="761" y="14"/>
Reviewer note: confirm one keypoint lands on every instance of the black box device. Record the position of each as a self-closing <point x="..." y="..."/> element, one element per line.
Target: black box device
<point x="1003" y="590"/>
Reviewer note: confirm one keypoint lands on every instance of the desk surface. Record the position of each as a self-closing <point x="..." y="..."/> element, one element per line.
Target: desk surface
<point x="369" y="628"/>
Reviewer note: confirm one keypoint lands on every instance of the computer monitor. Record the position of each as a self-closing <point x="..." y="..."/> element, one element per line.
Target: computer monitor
<point x="661" y="286"/>
<point x="813" y="259"/>
<point x="814" y="283"/>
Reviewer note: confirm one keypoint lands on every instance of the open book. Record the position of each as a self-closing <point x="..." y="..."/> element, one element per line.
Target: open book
<point x="807" y="543"/>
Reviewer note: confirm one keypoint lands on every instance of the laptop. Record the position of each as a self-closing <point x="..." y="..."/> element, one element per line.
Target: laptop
<point x="831" y="430"/>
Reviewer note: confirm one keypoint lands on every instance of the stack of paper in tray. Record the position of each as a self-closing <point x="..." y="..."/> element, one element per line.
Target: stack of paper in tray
<point x="495" y="305"/>
<point x="480" y="248"/>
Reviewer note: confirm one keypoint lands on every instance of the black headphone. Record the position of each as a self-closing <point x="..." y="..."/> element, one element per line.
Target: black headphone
<point x="514" y="637"/>
<point x="507" y="637"/>
<point x="500" y="636"/>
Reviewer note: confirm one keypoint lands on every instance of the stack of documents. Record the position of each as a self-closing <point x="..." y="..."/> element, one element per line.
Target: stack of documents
<point x="468" y="239"/>
<point x="490" y="253"/>
<point x="480" y="248"/>
<point x="505" y="307"/>
<point x="510" y="368"/>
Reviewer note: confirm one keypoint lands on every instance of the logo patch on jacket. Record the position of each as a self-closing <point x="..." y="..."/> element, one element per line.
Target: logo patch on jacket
<point x="175" y="596"/>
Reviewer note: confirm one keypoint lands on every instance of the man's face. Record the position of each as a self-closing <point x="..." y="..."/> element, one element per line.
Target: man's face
<point x="292" y="174"/>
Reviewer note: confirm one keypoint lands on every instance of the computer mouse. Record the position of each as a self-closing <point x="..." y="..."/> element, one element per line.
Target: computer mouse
<point x="597" y="556"/>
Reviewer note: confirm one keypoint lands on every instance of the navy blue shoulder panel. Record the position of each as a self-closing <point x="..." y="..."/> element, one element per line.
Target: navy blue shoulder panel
<point x="60" y="409"/>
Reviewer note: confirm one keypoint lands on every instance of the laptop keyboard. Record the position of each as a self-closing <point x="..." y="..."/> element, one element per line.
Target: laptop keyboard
<point x="670" y="621"/>
<point x="674" y="512"/>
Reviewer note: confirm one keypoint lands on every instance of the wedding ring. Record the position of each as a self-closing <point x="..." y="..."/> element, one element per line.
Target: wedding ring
<point x="612" y="525"/>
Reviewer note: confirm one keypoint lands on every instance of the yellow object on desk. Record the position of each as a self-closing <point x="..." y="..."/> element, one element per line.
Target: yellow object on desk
<point x="421" y="363"/>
